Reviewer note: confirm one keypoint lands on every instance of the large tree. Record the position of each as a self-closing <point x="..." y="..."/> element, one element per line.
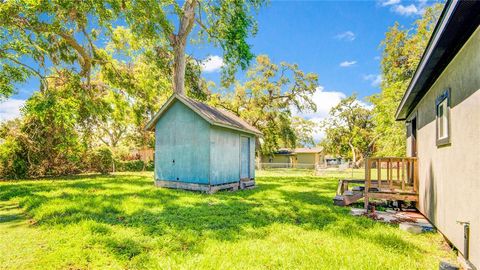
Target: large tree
<point x="39" y="37"/>
<point x="268" y="99"/>
<point x="304" y="130"/>
<point x="143" y="78"/>
<point x="226" y="24"/>
<point x="349" y="130"/>
<point x="47" y="140"/>
<point x="402" y="50"/>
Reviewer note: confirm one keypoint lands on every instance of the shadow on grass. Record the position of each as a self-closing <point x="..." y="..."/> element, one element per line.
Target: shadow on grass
<point x="131" y="201"/>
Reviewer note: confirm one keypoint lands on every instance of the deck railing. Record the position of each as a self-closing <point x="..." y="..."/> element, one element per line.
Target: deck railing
<point x="391" y="178"/>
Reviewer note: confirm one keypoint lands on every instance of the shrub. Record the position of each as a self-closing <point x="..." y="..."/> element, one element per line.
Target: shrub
<point x="101" y="160"/>
<point x="150" y="166"/>
<point x="13" y="164"/>
<point x="129" y="166"/>
<point x="133" y="165"/>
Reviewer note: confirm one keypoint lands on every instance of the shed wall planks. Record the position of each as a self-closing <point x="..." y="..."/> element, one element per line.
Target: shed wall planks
<point x="182" y="146"/>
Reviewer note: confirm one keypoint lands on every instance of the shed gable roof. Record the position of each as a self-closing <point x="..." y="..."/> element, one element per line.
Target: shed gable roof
<point x="214" y="116"/>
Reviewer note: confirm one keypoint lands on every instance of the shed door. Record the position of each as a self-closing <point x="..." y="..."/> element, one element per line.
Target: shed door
<point x="244" y="157"/>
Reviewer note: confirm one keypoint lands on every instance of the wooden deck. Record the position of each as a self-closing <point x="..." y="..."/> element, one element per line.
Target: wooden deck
<point x="395" y="179"/>
<point x="387" y="178"/>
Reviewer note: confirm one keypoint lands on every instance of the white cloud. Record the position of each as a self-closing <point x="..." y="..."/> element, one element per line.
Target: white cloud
<point x="348" y="36"/>
<point x="415" y="8"/>
<point x="347" y="63"/>
<point x="375" y="79"/>
<point x="325" y="100"/>
<point x="212" y="63"/>
<point x="385" y="3"/>
<point x="364" y="104"/>
<point x="10" y="109"/>
<point x="406" y="10"/>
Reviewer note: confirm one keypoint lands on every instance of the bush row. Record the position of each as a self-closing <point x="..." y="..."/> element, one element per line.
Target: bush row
<point x="15" y="165"/>
<point x="102" y="161"/>
<point x="133" y="166"/>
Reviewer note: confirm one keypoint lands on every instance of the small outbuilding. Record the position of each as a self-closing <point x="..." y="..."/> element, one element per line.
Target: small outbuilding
<point x="305" y="158"/>
<point x="199" y="147"/>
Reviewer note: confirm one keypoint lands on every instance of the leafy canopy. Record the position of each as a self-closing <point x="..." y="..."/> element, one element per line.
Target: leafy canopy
<point x="268" y="99"/>
<point x="37" y="36"/>
<point x="349" y="130"/>
<point x="225" y="24"/>
<point x="402" y="51"/>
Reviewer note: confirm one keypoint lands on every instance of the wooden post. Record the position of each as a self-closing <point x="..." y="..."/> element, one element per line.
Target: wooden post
<point x="408" y="170"/>
<point x="345" y="186"/>
<point x="403" y="174"/>
<point x="415" y="175"/>
<point x="379" y="173"/>
<point x="367" y="182"/>
<point x="390" y="173"/>
<point x="398" y="170"/>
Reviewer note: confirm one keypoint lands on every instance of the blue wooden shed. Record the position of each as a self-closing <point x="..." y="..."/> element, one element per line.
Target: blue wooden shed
<point x="199" y="147"/>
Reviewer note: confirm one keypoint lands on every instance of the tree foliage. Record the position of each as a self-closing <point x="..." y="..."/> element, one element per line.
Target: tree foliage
<point x="349" y="130"/>
<point x="143" y="80"/>
<point x="93" y="93"/>
<point x="37" y="36"/>
<point x="47" y="141"/>
<point x="95" y="97"/>
<point x="227" y="24"/>
<point x="268" y="98"/>
<point x="304" y="130"/>
<point x="402" y="51"/>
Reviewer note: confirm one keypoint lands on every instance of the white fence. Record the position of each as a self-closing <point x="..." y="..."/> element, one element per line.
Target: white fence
<point x="260" y="166"/>
<point x="343" y="170"/>
<point x="269" y="165"/>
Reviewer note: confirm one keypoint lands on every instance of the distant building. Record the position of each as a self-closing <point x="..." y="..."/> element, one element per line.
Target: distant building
<point x="298" y="158"/>
<point x="333" y="160"/>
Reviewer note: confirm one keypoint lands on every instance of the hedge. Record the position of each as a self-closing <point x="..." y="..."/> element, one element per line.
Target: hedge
<point x="133" y="166"/>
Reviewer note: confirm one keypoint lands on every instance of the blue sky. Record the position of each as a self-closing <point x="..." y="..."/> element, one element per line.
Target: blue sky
<point x="338" y="40"/>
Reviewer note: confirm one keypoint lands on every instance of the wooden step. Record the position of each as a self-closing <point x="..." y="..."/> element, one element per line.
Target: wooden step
<point x="348" y="198"/>
<point x="249" y="184"/>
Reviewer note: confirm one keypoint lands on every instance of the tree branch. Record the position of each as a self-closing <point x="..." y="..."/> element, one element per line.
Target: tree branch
<point x="187" y="20"/>
<point x="25" y="65"/>
<point x="85" y="58"/>
<point x="205" y="28"/>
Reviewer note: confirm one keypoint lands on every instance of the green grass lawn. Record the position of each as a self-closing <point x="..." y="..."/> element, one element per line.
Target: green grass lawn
<point x="123" y="222"/>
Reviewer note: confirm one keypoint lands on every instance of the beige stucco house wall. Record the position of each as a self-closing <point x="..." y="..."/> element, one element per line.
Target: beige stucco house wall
<point x="449" y="176"/>
<point x="301" y="157"/>
<point x="277" y="159"/>
<point x="308" y="158"/>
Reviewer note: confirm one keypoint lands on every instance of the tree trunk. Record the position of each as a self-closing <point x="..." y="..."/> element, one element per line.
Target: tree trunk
<point x="354" y="155"/>
<point x="179" y="42"/>
<point x="179" y="68"/>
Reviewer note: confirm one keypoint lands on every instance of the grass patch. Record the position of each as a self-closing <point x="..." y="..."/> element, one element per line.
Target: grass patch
<point x="123" y="221"/>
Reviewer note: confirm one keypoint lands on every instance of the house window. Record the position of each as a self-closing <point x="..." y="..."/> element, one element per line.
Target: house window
<point x="443" y="118"/>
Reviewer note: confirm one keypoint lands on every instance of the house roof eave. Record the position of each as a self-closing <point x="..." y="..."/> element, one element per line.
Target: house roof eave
<point x="458" y="21"/>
